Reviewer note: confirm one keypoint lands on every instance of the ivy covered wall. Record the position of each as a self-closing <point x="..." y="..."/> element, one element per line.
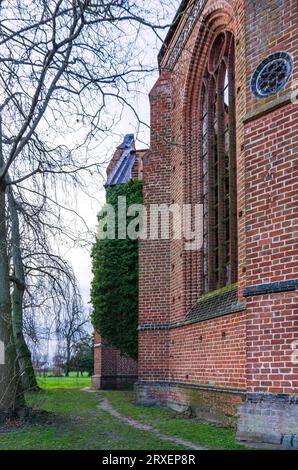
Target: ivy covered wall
<point x="114" y="292"/>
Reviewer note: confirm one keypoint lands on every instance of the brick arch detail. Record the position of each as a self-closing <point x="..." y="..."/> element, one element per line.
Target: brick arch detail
<point x="218" y="17"/>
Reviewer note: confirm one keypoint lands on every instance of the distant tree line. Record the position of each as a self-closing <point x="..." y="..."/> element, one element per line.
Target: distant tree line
<point x="81" y="359"/>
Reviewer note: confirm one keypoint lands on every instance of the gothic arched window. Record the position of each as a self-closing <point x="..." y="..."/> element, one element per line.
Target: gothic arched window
<point x="218" y="160"/>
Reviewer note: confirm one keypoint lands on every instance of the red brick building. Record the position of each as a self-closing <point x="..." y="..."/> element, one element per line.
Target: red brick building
<point x="112" y="369"/>
<point x="218" y="328"/>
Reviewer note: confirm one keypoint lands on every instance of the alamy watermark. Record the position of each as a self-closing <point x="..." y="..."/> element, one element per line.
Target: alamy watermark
<point x="153" y="222"/>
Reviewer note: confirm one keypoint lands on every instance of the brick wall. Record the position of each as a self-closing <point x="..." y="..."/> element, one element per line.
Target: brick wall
<point x="210" y="353"/>
<point x="154" y="255"/>
<point x="111" y="368"/>
<point x="271" y="331"/>
<point x="271" y="209"/>
<point x="170" y="279"/>
<point x="137" y="170"/>
<point x="249" y="350"/>
<point x="272" y="248"/>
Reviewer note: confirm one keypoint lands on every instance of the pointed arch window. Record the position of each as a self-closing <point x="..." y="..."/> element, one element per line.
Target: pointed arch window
<point x="218" y="166"/>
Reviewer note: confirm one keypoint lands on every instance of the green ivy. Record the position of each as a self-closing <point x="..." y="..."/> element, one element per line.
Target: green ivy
<point x="114" y="292"/>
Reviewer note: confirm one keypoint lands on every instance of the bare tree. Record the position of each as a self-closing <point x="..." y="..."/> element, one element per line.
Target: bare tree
<point x="11" y="397"/>
<point x="62" y="63"/>
<point x="51" y="295"/>
<point x="44" y="284"/>
<point x="71" y="328"/>
<point x="19" y="286"/>
<point x="41" y="278"/>
<point x="82" y="359"/>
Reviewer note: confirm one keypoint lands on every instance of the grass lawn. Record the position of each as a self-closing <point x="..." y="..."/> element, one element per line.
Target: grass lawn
<point x="79" y="424"/>
<point x="72" y="381"/>
<point x="171" y="423"/>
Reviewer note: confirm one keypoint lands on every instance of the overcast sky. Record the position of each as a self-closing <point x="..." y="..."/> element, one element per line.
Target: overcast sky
<point x="88" y="207"/>
<point x="82" y="216"/>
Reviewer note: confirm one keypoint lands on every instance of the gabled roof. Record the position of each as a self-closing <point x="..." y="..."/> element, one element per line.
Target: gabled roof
<point x="122" y="172"/>
<point x="128" y="142"/>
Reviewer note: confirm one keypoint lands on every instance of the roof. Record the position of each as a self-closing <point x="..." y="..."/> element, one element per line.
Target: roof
<point x="128" y="142"/>
<point x="172" y="29"/>
<point x="122" y="171"/>
<point x="220" y="303"/>
<point x="189" y="12"/>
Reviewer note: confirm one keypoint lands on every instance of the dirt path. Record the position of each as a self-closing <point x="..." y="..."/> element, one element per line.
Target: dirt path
<point x="104" y="405"/>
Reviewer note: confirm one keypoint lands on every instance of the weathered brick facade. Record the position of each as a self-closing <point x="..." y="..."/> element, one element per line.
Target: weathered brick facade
<point x="239" y="361"/>
<point x="111" y="368"/>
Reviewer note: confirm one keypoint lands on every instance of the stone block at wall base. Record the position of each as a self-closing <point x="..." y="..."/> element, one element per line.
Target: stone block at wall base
<point x="114" y="382"/>
<point x="96" y="381"/>
<point x="269" y="418"/>
<point x="219" y="406"/>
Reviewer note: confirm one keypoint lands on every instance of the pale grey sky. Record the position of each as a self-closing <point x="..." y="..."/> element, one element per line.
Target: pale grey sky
<point x="88" y="207"/>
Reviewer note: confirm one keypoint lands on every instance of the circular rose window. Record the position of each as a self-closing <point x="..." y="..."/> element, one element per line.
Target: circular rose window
<point x="272" y="74"/>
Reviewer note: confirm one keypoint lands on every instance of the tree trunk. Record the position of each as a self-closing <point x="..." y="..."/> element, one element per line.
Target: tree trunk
<point x="67" y="367"/>
<point x="12" y="401"/>
<point x="67" y="361"/>
<point x="23" y="353"/>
